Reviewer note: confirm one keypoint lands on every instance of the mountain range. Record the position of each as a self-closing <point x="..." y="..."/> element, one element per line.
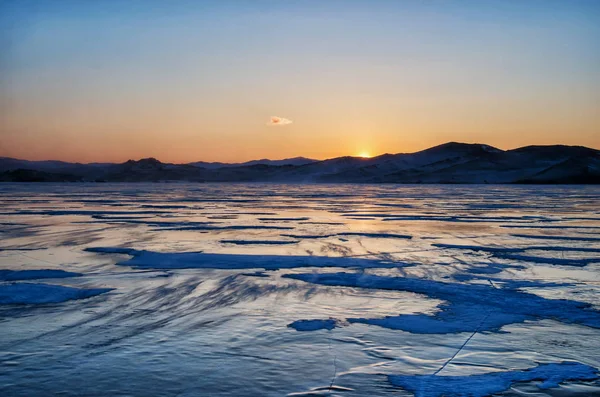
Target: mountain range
<point x="448" y="163"/>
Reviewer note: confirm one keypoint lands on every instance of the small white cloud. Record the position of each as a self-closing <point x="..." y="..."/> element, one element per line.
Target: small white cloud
<point x="279" y="121"/>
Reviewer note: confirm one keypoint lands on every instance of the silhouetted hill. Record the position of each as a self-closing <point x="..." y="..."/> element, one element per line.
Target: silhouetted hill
<point x="290" y="161"/>
<point x="448" y="163"/>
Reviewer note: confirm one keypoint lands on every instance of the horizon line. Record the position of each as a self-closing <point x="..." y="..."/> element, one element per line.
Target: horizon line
<point x="291" y="158"/>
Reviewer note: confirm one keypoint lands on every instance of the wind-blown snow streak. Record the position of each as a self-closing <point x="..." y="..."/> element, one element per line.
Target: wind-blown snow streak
<point x="29" y="293"/>
<point x="464" y="304"/>
<point x="551" y="375"/>
<point x="185" y="260"/>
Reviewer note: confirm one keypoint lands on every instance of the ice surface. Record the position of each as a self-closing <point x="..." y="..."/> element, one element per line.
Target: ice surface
<point x="433" y="278"/>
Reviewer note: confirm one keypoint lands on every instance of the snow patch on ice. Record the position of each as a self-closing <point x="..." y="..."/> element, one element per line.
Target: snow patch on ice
<point x="466" y="307"/>
<point x="313" y="325"/>
<point x="15" y="275"/>
<point x="186" y="260"/>
<point x="551" y="375"/>
<point x="29" y="293"/>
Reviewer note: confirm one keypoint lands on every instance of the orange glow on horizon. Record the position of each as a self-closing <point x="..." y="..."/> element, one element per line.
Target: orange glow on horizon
<point x="198" y="82"/>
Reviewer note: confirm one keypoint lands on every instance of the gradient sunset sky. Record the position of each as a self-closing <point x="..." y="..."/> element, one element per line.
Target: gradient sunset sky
<point x="199" y="80"/>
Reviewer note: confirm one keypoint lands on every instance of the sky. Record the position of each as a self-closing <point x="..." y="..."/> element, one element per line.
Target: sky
<point x="182" y="81"/>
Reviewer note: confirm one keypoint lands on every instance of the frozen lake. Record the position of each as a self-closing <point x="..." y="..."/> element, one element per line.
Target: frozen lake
<point x="273" y="290"/>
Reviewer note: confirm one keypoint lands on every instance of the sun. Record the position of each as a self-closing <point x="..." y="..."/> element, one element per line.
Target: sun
<point x="364" y="155"/>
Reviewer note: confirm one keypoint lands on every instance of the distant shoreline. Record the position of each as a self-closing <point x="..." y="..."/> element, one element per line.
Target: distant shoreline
<point x="450" y="163"/>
